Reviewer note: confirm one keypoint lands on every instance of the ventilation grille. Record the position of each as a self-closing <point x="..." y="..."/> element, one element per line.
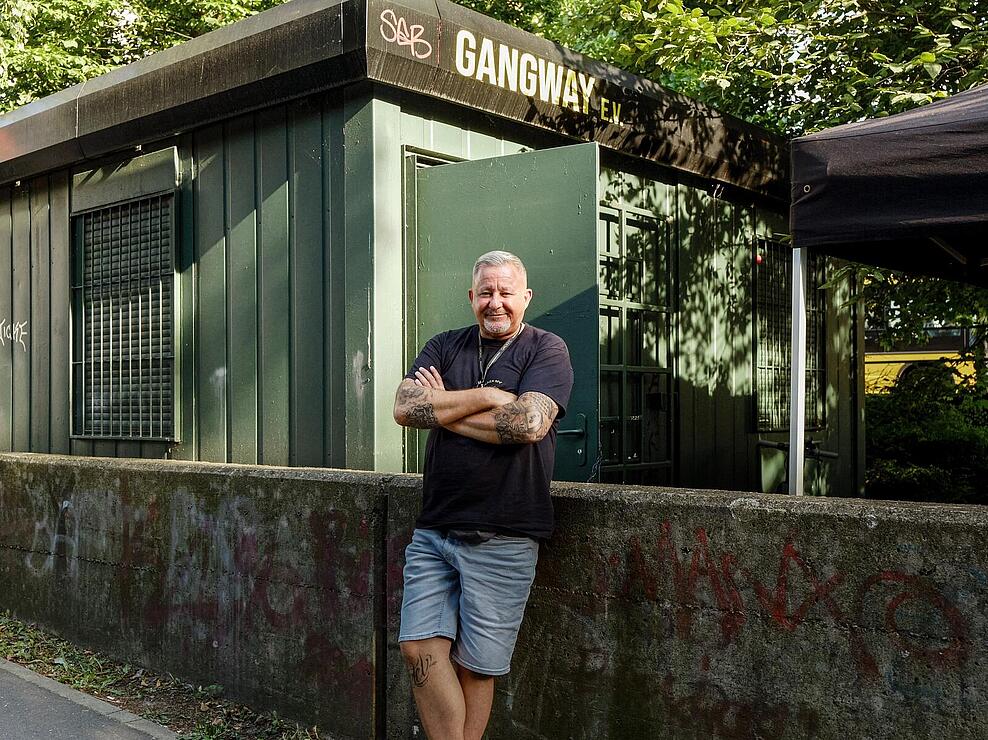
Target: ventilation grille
<point x="773" y="322"/>
<point x="123" y="292"/>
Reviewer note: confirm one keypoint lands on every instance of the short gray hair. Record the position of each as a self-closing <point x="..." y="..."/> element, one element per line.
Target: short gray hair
<point x="498" y="258"/>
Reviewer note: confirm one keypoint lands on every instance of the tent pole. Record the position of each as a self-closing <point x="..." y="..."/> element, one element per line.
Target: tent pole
<point x="797" y="408"/>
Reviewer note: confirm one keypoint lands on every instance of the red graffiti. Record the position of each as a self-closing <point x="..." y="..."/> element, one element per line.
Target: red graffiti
<point x="775" y="602"/>
<point x="685" y="577"/>
<point x="916" y="589"/>
<point x="688" y="569"/>
<point x="706" y="711"/>
<point x="336" y="676"/>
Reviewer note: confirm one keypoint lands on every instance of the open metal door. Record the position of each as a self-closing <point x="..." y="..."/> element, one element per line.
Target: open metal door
<point x="541" y="206"/>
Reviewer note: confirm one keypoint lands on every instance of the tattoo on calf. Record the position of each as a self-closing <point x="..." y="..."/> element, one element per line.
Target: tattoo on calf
<point x="418" y="412"/>
<point x="420" y="670"/>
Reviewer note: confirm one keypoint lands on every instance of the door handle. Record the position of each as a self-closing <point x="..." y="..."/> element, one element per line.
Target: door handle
<point x="579" y="433"/>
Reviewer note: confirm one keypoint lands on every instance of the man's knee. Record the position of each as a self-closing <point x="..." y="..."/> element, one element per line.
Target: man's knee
<point x="432" y="648"/>
<point x="467" y="674"/>
<point x="421" y="656"/>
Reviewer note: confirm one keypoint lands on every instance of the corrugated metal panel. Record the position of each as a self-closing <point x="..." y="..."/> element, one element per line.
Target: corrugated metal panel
<point x="460" y="141"/>
<point x="266" y="374"/>
<point x="34" y="300"/>
<point x="274" y="320"/>
<point x="6" y="315"/>
<point x="21" y="320"/>
<point x="60" y="328"/>
<point x="715" y="342"/>
<point x="40" y="316"/>
<point x="210" y="391"/>
<point x="242" y="294"/>
<point x="307" y="259"/>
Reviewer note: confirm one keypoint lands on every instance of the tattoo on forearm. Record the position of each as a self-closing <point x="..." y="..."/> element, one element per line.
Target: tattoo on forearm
<point x="526" y="419"/>
<point x="420" y="670"/>
<point x="510" y="423"/>
<point x="418" y="411"/>
<point x="542" y="412"/>
<point x="422" y="416"/>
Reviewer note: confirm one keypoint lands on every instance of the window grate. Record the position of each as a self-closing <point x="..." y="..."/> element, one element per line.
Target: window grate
<point x="123" y="291"/>
<point x="634" y="263"/>
<point x="773" y="342"/>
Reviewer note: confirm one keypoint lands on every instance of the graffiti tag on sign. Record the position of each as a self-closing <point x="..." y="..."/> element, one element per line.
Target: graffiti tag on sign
<point x="396" y="30"/>
<point x="15" y="333"/>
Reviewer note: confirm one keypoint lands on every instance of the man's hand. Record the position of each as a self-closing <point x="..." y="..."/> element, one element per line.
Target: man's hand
<point x="424" y="403"/>
<point x="429" y="378"/>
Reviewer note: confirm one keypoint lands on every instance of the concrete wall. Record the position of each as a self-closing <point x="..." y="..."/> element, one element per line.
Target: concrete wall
<point x="657" y="613"/>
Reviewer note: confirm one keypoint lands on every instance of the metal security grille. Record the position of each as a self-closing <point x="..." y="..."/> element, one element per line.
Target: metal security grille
<point x="122" y="321"/>
<point x="634" y="257"/>
<point x="773" y="341"/>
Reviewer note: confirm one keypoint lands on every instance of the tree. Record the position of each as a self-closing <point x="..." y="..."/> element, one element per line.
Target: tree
<point x="48" y="45"/>
<point x="791" y="66"/>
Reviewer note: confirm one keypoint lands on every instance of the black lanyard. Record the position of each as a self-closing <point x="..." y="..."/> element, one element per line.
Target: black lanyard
<point x="497" y="355"/>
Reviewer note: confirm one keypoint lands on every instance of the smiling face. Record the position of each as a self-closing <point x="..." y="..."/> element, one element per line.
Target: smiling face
<point x="499" y="298"/>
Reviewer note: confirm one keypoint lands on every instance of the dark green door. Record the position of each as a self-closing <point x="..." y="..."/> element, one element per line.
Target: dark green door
<point x="543" y="207"/>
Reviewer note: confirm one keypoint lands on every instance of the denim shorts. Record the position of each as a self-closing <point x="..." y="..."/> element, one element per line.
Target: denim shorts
<point x="473" y="594"/>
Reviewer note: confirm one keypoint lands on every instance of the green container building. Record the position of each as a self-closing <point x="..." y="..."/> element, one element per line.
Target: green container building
<point x="230" y="251"/>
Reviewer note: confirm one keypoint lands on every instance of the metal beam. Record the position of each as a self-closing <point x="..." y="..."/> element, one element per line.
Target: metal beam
<point x="797" y="408"/>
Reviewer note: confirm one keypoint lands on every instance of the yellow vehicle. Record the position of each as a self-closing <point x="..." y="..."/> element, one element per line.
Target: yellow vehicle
<point x="884" y="368"/>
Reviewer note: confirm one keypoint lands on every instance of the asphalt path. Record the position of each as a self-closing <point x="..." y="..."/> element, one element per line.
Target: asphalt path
<point x="33" y="707"/>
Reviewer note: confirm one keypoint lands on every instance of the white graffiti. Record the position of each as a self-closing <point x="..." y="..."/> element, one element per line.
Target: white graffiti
<point x="396" y="30"/>
<point x="56" y="537"/>
<point x="14" y="333"/>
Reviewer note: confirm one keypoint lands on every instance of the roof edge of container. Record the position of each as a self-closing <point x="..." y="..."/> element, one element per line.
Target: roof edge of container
<point x="286" y="52"/>
<point x="431" y="47"/>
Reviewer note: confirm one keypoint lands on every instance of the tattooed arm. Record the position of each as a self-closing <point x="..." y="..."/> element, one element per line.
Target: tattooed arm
<point x="426" y="407"/>
<point x="523" y="421"/>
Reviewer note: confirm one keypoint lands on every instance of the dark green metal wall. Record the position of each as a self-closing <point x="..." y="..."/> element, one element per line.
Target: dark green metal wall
<point x="715" y="429"/>
<point x="259" y="323"/>
<point x="290" y="297"/>
<point x="260" y="315"/>
<point x="34" y="319"/>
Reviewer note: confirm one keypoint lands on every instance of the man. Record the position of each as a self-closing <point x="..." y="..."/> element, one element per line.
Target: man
<point x="490" y="393"/>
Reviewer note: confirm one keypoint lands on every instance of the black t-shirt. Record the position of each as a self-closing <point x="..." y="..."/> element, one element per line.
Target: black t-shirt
<point x="477" y="485"/>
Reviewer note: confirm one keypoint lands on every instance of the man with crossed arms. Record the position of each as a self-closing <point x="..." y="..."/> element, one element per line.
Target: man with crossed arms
<point x="491" y="394"/>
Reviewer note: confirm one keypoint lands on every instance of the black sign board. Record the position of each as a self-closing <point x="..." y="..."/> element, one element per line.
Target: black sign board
<point x="441" y="49"/>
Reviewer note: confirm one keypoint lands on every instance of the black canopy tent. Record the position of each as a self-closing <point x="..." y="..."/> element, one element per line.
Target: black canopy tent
<point x="908" y="192"/>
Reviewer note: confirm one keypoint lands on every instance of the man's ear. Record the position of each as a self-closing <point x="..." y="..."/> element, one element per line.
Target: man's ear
<point x="528" y="296"/>
<point x="470" y="295"/>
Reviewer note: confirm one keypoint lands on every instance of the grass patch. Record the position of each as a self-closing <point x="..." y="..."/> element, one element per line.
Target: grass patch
<point x="193" y="712"/>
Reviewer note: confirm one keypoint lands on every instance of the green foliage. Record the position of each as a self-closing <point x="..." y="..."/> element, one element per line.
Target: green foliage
<point x="928" y="440"/>
<point x="534" y="16"/>
<point x="48" y="45"/>
<point x="791" y="66"/>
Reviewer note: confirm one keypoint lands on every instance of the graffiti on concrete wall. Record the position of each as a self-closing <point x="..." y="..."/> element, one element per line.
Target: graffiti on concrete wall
<point x="673" y="626"/>
<point x="55" y="542"/>
<point x="220" y="573"/>
<point x="799" y="591"/>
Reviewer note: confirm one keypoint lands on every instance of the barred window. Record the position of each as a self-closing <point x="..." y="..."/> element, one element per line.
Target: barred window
<point x="773" y="337"/>
<point x="122" y="348"/>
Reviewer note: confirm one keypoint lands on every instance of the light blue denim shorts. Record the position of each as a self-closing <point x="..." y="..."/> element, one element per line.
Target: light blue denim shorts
<point x="473" y="594"/>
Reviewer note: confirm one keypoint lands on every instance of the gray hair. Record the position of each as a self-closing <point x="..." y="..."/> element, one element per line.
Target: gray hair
<point x="499" y="258"/>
